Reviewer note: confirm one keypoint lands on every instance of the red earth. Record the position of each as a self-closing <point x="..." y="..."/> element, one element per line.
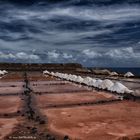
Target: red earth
<point x="76" y="118"/>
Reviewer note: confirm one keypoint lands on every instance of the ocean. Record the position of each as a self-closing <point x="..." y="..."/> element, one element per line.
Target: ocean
<point x="135" y="71"/>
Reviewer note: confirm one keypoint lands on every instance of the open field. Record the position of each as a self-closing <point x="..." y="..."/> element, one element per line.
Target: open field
<point x="34" y="106"/>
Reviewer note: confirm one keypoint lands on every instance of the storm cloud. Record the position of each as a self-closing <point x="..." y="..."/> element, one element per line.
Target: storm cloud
<point x="95" y="34"/>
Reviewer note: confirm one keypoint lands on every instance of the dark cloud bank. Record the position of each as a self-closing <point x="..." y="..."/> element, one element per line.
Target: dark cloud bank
<point x="91" y="32"/>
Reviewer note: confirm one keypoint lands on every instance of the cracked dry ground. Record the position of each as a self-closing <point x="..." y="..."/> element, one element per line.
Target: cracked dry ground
<point x="34" y="106"/>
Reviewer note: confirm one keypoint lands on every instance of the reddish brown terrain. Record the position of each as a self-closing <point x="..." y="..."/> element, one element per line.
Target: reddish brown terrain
<point x="99" y="122"/>
<point x="34" y="106"/>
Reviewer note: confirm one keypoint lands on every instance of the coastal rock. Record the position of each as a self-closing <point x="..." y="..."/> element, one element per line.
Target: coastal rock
<point x="101" y="72"/>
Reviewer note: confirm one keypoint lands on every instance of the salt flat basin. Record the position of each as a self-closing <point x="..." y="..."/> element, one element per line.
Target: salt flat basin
<point x="12" y="76"/>
<point x="11" y="90"/>
<point x="57" y="89"/>
<point x="74" y="98"/>
<point x="36" y="83"/>
<point x="6" y="126"/>
<point x="134" y="86"/>
<point x="9" y="84"/>
<point x="101" y="122"/>
<point x="9" y="104"/>
<point x="34" y="76"/>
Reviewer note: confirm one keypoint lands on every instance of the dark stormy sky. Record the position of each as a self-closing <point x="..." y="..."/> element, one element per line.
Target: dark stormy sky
<point x="90" y="32"/>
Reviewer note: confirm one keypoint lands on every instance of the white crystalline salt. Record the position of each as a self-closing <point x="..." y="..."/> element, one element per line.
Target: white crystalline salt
<point x="79" y="79"/>
<point x="46" y="72"/>
<point x="101" y="84"/>
<point x="119" y="88"/>
<point x="92" y="82"/>
<point x="98" y="83"/>
<point x="114" y="74"/>
<point x="1" y="72"/>
<point x="106" y="84"/>
<point x="129" y="74"/>
<point x="52" y="73"/>
<point x="87" y="80"/>
<point x="72" y="77"/>
<point x="5" y="72"/>
<point x="65" y="76"/>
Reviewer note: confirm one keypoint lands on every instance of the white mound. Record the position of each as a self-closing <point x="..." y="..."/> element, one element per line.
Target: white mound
<point x="72" y="77"/>
<point x="114" y="74"/>
<point x="46" y="72"/>
<point x="64" y="76"/>
<point x="119" y="88"/>
<point x="98" y="83"/>
<point x="2" y="72"/>
<point x="129" y="74"/>
<point x="92" y="82"/>
<point x="106" y="84"/>
<point x="79" y="79"/>
<point x="87" y="80"/>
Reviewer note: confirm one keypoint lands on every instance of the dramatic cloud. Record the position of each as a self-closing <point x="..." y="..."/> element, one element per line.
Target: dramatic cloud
<point x="91" y="54"/>
<point x="53" y="55"/>
<point x="67" y="56"/>
<point x="91" y="34"/>
<point x="122" y="53"/>
<point x="20" y="55"/>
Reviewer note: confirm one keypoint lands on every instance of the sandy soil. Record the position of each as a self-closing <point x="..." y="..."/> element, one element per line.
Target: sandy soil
<point x="65" y="99"/>
<point x="9" y="104"/>
<point x="99" y="122"/>
<point x="7" y="126"/>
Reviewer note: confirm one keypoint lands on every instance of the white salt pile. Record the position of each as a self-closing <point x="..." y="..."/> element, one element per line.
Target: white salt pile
<point x="114" y="74"/>
<point x="106" y="84"/>
<point x="98" y="83"/>
<point x="92" y="82"/>
<point x="89" y="81"/>
<point x="46" y="72"/>
<point x="52" y="73"/>
<point x="79" y="79"/>
<point x="128" y="74"/>
<point x="119" y="88"/>
<point x="3" y="72"/>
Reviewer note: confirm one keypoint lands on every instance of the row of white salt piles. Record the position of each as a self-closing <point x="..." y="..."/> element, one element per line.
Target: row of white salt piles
<point x="96" y="83"/>
<point x="3" y="72"/>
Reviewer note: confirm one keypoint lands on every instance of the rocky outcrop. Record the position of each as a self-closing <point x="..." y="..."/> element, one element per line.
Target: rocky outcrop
<point x="101" y="71"/>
